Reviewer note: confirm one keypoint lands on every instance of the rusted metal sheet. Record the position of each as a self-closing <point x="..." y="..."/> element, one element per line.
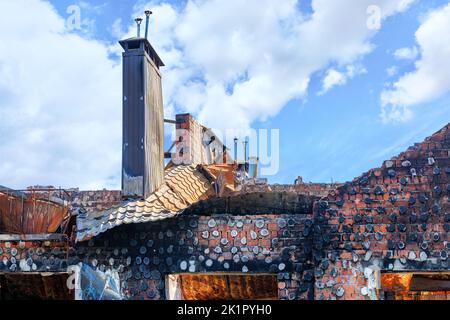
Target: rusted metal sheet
<point x="30" y="213"/>
<point x="416" y="286"/>
<point x="226" y="286"/>
<point x="224" y="176"/>
<point x="396" y="282"/>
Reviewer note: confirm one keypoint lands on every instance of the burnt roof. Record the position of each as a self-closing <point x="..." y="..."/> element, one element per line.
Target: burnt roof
<point x="184" y="186"/>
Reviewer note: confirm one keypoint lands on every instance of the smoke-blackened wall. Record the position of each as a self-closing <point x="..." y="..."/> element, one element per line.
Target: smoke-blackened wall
<point x="391" y="219"/>
<point x="145" y="254"/>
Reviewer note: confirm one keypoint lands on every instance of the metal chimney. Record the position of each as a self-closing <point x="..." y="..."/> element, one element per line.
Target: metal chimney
<point x="143" y="118"/>
<point x="147" y="19"/>
<point x="235" y="149"/>
<point x="138" y="23"/>
<point x="245" y="143"/>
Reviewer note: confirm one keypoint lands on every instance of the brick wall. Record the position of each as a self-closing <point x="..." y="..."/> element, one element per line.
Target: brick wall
<point x="393" y="218"/>
<point x="33" y="255"/>
<point x="248" y="234"/>
<point x="144" y="254"/>
<point x="95" y="200"/>
<point x="310" y="189"/>
<point x="190" y="147"/>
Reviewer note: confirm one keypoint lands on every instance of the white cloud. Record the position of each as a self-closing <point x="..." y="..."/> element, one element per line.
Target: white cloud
<point x="91" y="7"/>
<point x="229" y="62"/>
<point x="336" y="78"/>
<point x="392" y="71"/>
<point x="60" y="102"/>
<point x="406" y="53"/>
<point x="431" y="77"/>
<point x="116" y="29"/>
<point x="396" y="113"/>
<point x="233" y="62"/>
<point x="333" y="78"/>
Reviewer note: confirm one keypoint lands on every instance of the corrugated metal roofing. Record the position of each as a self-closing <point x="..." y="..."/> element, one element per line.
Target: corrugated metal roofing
<point x="31" y="213"/>
<point x="184" y="186"/>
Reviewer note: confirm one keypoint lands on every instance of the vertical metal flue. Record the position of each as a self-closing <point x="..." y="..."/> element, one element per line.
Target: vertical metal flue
<point x="147" y="20"/>
<point x="142" y="118"/>
<point x="138" y="23"/>
<point x="245" y="143"/>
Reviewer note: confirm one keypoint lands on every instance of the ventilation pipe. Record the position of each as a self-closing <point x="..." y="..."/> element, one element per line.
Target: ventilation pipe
<point x="245" y="143"/>
<point x="147" y="20"/>
<point x="138" y="24"/>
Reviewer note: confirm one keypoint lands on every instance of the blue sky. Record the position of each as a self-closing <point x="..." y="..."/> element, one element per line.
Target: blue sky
<point x="336" y="134"/>
<point x="340" y="135"/>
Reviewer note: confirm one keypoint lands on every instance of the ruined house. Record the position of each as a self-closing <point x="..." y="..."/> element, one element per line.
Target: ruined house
<point x="199" y="228"/>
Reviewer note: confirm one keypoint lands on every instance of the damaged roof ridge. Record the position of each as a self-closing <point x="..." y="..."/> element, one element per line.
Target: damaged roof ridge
<point x="401" y="156"/>
<point x="230" y="204"/>
<point x="169" y="196"/>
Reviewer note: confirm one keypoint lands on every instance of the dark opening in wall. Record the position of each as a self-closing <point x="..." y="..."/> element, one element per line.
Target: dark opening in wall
<point x="36" y="286"/>
<point x="416" y="286"/>
<point x="222" y="286"/>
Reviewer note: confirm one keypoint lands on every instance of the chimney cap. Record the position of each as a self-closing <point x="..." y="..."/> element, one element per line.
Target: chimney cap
<point x="147" y="47"/>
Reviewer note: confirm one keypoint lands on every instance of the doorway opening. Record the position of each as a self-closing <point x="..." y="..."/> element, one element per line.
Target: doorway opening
<point x="222" y="286"/>
<point x="416" y="286"/>
<point x="35" y="286"/>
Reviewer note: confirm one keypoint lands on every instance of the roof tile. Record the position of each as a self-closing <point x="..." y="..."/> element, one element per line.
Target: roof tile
<point x="184" y="186"/>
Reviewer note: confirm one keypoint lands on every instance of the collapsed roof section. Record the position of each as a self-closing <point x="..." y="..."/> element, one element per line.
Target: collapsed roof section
<point x="33" y="211"/>
<point x="184" y="186"/>
<point x="196" y="144"/>
<point x="433" y="151"/>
